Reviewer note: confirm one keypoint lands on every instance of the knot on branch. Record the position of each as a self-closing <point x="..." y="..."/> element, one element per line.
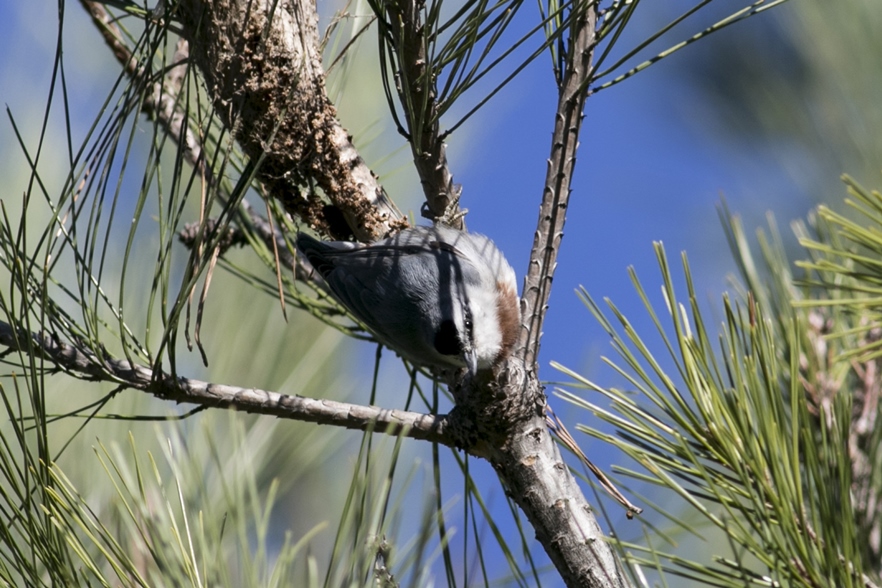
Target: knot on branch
<point x="231" y="236"/>
<point x="492" y="405"/>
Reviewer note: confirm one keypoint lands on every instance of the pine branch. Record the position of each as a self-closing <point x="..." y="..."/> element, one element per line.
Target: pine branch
<point x="555" y="198"/>
<point x="86" y="364"/>
<point x="415" y="83"/>
<point x="161" y="101"/>
<point x="262" y="64"/>
<point x="529" y="462"/>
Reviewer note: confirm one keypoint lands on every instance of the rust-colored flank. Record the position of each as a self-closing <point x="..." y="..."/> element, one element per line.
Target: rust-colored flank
<point x="508" y="312"/>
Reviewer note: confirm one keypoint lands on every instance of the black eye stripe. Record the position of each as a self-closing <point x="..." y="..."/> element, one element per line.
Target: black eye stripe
<point x="447" y="339"/>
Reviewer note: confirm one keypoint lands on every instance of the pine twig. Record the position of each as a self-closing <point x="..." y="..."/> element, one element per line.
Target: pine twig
<point x="87" y="365"/>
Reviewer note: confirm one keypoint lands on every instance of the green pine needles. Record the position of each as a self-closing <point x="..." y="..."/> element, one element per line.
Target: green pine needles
<point x="761" y="440"/>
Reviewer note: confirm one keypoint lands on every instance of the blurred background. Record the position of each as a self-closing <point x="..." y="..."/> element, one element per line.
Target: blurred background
<point x="766" y="114"/>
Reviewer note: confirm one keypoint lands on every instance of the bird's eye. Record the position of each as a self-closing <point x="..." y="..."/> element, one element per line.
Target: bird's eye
<point x="469" y="325"/>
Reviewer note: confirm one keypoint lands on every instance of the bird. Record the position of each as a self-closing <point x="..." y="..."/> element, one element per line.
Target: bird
<point x="439" y="297"/>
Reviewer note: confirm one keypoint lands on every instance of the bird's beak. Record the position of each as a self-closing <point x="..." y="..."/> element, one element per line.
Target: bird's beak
<point x="471" y="359"/>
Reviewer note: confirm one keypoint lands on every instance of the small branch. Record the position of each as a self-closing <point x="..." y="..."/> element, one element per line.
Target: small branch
<point x="556" y="194"/>
<point x="417" y="92"/>
<point x="272" y="237"/>
<point x="162" y="101"/>
<point x="252" y="400"/>
<point x="563" y="435"/>
<point x="863" y="450"/>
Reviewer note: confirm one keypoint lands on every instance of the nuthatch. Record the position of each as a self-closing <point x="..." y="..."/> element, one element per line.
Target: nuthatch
<point x="438" y="296"/>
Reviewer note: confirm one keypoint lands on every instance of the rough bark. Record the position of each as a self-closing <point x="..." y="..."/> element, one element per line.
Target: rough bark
<point x="536" y="476"/>
<point x="264" y="73"/>
<point x="502" y="419"/>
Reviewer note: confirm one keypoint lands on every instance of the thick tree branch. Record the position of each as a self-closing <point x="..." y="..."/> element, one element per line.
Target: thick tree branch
<point x="162" y="103"/>
<point x="261" y="61"/>
<point x="325" y="412"/>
